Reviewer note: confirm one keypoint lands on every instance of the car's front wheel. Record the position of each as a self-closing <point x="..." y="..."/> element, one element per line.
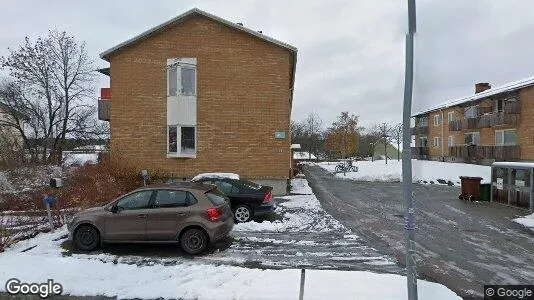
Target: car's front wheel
<point x="243" y="213"/>
<point x="86" y="238"/>
<point x="194" y="241"/>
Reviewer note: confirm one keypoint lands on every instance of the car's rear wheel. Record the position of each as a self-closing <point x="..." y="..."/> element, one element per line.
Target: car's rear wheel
<point x="86" y="238"/>
<point x="243" y="213"/>
<point x="194" y="241"/>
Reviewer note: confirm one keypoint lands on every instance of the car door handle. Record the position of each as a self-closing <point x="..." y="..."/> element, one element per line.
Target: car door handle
<point x="181" y="214"/>
<point x="141" y="216"/>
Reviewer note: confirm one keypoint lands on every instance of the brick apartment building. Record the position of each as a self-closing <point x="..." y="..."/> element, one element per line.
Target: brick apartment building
<point x="202" y="94"/>
<point x="494" y="124"/>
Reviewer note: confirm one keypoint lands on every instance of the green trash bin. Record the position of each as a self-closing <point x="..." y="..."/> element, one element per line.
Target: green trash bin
<point x="485" y="192"/>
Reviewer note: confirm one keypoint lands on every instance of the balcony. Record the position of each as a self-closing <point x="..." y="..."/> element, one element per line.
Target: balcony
<point x="104" y="104"/>
<point x="420" y="152"/>
<point x="508" y="117"/>
<point x="500" y="153"/>
<point x="419" y="130"/>
<point x="103" y="109"/>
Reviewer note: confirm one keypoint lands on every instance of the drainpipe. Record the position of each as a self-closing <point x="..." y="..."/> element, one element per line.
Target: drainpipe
<point x="442" y="137"/>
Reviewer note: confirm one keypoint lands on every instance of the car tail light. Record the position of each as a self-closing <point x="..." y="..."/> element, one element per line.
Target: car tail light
<point x="268" y="197"/>
<point x="214" y="214"/>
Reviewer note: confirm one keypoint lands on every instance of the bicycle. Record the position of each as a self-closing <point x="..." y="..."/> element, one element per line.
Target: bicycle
<point x="346" y="167"/>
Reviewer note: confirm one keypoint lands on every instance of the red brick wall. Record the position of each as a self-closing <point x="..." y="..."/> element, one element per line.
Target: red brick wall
<point x="243" y="97"/>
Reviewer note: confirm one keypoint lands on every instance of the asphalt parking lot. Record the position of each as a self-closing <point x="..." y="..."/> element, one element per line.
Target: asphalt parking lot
<point x="462" y="245"/>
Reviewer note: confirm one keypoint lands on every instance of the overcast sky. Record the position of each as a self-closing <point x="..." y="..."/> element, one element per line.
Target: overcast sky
<point x="351" y="53"/>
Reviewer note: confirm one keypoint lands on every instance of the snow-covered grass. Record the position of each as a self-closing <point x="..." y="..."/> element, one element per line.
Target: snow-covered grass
<point x="527" y="221"/>
<point x="426" y="172"/>
<point x="73" y="158"/>
<point x="84" y="275"/>
<point x="29" y="178"/>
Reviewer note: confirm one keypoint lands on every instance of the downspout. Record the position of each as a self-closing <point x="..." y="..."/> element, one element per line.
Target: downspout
<point x="442" y="137"/>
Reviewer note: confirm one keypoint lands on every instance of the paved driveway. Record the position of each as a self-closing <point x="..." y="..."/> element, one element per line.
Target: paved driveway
<point x="460" y="244"/>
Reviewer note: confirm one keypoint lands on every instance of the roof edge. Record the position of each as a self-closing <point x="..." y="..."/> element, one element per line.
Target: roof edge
<point x="105" y="55"/>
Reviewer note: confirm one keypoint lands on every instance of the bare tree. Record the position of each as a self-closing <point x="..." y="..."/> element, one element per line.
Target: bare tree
<point x="385" y="134"/>
<point x="370" y="137"/>
<point x="312" y="129"/>
<point x="397" y="135"/>
<point x="53" y="80"/>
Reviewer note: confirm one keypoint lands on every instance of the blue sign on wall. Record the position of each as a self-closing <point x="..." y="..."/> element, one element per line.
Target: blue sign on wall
<point x="280" y="135"/>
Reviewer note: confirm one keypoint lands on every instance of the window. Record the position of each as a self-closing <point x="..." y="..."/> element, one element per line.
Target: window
<point x="472" y="138"/>
<point x="137" y="200"/>
<point x="181" y="79"/>
<point x="437" y="142"/>
<point x="499" y="105"/>
<point x="450" y="141"/>
<point x="451" y="116"/>
<point x="506" y="137"/>
<point x="216" y="197"/>
<point x="423" y="142"/>
<point x="423" y="121"/>
<point x="186" y="145"/>
<point x="225" y="187"/>
<point x="170" y="198"/>
<point x="437" y="120"/>
<point x="471" y="112"/>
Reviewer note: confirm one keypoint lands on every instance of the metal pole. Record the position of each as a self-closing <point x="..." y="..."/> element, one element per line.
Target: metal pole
<point x="302" y="280"/>
<point x="50" y="220"/>
<point x="409" y="224"/>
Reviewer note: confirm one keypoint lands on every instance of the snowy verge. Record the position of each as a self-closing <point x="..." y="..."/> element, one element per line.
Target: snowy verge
<point x="527" y="221"/>
<point x="100" y="276"/>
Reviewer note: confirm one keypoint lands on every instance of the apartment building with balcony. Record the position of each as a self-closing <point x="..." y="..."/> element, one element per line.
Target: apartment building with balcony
<point x="494" y="124"/>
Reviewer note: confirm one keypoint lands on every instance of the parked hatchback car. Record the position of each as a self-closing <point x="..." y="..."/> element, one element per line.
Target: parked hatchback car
<point x="191" y="214"/>
<point x="248" y="199"/>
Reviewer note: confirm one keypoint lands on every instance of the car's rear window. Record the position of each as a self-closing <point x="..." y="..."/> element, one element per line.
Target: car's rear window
<point x="216" y="197"/>
<point x="250" y="184"/>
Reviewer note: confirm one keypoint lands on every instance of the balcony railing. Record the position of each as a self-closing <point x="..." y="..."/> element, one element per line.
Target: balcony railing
<point x="506" y="153"/>
<point x="486" y="121"/>
<point x="103" y="109"/>
<point x="419" y="130"/>
<point x="420" y="152"/>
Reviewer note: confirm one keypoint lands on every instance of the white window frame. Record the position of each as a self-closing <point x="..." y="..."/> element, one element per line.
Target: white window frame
<point x="451" y="116"/>
<point x="178" y="64"/>
<point x="473" y="133"/>
<point x="178" y="152"/>
<point x="474" y="108"/>
<point x="425" y="138"/>
<point x="437" y="142"/>
<point x="450" y="141"/>
<point x="503" y="143"/>
<point x="437" y="120"/>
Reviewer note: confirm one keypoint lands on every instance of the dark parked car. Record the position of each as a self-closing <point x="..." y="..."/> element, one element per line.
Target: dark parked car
<point x="248" y="199"/>
<point x="191" y="214"/>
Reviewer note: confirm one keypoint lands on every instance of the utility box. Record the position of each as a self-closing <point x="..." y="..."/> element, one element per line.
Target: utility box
<point x="512" y="183"/>
<point x="56" y="182"/>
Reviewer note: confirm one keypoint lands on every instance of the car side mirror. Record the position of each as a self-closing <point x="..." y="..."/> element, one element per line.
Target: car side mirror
<point x="114" y="208"/>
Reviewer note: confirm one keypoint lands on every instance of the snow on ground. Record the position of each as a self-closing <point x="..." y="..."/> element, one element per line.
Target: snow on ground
<point x="27" y="178"/>
<point x="423" y="171"/>
<point x="73" y="158"/>
<point x="300" y="186"/>
<point x="527" y="221"/>
<point x="82" y="275"/>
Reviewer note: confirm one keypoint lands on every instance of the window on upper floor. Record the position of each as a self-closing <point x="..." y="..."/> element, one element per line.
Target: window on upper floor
<point x="181" y="79"/>
<point x="423" y="121"/>
<point x="471" y="111"/>
<point x="437" y="120"/>
<point x="451" y="116"/>
<point x="472" y="138"/>
<point x="506" y="137"/>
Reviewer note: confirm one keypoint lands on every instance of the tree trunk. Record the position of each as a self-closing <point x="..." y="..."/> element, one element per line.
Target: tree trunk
<point x="385" y="151"/>
<point x="398" y="151"/>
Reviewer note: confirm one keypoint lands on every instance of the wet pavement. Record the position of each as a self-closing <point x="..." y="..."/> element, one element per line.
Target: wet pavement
<point x="460" y="244"/>
<point x="300" y="237"/>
